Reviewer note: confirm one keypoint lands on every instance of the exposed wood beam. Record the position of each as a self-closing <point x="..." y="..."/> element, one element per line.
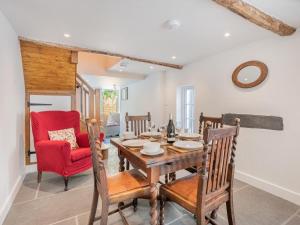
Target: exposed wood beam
<point x="79" y="49"/>
<point x="257" y="16"/>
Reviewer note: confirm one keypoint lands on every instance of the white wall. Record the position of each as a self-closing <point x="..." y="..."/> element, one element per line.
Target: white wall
<point x="11" y="116"/>
<point x="267" y="159"/>
<point x="145" y="96"/>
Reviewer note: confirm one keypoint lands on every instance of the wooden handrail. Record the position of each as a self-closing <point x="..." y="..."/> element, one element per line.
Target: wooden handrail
<point x="78" y="77"/>
<point x="92" y="105"/>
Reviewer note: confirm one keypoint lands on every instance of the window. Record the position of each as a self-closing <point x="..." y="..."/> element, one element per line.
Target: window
<point x="186" y="108"/>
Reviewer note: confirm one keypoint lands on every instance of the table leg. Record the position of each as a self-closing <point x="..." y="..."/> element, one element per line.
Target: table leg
<point x="153" y="204"/>
<point x="121" y="162"/>
<point x="172" y="176"/>
<point x="121" y="168"/>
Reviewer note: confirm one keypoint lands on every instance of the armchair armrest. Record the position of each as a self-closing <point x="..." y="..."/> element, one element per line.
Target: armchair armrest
<point x="83" y="139"/>
<point x="49" y="152"/>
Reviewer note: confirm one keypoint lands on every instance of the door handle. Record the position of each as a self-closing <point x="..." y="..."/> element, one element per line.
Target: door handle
<point x="37" y="104"/>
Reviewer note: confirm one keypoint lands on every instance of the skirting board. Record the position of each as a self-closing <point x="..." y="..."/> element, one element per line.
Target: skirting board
<point x="11" y="197"/>
<point x="274" y="189"/>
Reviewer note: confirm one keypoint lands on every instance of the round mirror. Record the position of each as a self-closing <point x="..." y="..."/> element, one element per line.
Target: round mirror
<point x="249" y="74"/>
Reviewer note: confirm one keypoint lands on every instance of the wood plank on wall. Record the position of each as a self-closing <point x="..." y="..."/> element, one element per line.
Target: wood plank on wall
<point x="255" y="121"/>
<point x="47" y="68"/>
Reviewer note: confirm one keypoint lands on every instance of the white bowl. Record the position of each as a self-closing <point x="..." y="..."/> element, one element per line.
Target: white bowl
<point x="151" y="147"/>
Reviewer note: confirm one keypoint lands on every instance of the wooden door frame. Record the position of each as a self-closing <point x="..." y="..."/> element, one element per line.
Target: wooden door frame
<point x="72" y="94"/>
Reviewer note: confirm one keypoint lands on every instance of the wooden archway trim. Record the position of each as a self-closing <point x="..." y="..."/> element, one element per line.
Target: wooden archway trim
<point x="263" y="74"/>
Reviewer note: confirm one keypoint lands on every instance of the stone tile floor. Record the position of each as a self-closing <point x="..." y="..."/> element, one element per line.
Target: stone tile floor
<point x="48" y="204"/>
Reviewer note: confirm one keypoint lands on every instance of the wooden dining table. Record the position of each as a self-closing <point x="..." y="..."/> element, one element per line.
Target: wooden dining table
<point x="155" y="166"/>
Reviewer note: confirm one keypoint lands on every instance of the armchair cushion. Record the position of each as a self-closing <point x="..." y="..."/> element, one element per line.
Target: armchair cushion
<point x="64" y="135"/>
<point x="80" y="153"/>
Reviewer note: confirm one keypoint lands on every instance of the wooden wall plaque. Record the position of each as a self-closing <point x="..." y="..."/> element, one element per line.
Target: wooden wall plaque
<point x="255" y="121"/>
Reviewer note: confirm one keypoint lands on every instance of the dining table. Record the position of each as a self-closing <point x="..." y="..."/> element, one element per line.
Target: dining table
<point x="166" y="163"/>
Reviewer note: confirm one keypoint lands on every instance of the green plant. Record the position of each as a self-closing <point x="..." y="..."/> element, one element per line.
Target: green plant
<point x="109" y="94"/>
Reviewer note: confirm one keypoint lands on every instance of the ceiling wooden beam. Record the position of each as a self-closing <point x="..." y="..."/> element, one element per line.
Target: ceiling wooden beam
<point x="257" y="16"/>
<point x="79" y="49"/>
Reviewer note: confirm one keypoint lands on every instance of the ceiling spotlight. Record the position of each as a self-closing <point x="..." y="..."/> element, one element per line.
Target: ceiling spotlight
<point x="172" y="24"/>
<point x="67" y="35"/>
<point x="227" y="34"/>
<point x="173" y="57"/>
<point x="151" y="67"/>
<point x="124" y="64"/>
<point x="120" y="70"/>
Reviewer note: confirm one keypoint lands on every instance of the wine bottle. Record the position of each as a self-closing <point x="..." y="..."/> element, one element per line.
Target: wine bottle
<point x="171" y="130"/>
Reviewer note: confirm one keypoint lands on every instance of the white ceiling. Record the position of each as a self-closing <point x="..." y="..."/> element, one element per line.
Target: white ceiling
<point x="108" y="82"/>
<point x="134" y="27"/>
<point x="126" y="65"/>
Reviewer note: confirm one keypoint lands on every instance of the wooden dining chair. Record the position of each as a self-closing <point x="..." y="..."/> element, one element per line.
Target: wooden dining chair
<point x="203" y="192"/>
<point x="217" y="122"/>
<point x="138" y="124"/>
<point x="121" y="187"/>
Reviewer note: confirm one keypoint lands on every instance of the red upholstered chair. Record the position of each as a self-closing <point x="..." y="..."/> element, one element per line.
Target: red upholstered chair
<point x="57" y="156"/>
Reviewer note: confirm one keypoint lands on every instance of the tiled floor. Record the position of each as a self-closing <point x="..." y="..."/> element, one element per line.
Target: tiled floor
<point x="48" y="204"/>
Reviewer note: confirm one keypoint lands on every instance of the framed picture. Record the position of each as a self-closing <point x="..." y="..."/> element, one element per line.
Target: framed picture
<point x="124" y="93"/>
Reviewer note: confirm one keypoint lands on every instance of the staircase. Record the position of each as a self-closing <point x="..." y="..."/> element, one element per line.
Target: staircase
<point x="87" y="101"/>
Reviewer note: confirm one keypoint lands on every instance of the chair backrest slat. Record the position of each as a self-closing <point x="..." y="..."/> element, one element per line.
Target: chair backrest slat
<point x="138" y="124"/>
<point x="217" y="122"/>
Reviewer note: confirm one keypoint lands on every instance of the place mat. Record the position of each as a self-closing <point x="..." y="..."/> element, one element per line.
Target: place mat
<point x="189" y="139"/>
<point x="181" y="150"/>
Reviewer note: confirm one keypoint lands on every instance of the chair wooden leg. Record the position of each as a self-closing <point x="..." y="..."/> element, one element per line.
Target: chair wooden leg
<point x="39" y="177"/>
<point x="200" y="216"/>
<point x="201" y="220"/>
<point x="66" y="179"/>
<point x="166" y="178"/>
<point x="162" y="210"/>
<point x="94" y="206"/>
<point x="153" y="204"/>
<point x="172" y="176"/>
<point x="135" y="204"/>
<point x="127" y="165"/>
<point x="214" y="214"/>
<point x="104" y="214"/>
<point x="230" y="211"/>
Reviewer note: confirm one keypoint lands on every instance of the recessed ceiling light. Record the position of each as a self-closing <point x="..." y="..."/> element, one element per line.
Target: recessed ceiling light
<point x="120" y="70"/>
<point x="227" y="34"/>
<point x="151" y="67"/>
<point x="67" y="35"/>
<point x="172" y="24"/>
<point x="124" y="64"/>
<point x="173" y="57"/>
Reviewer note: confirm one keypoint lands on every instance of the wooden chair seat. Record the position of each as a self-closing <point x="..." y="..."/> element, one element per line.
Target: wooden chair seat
<point x="127" y="185"/>
<point x="184" y="192"/>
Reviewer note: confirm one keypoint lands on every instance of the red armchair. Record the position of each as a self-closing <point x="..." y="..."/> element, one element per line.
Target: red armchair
<point x="57" y="156"/>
